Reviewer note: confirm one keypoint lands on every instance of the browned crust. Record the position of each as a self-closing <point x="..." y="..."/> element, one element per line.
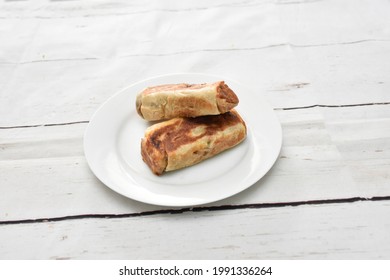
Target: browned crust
<point x="154" y="155"/>
<point x="163" y="140"/>
<point x="212" y="124"/>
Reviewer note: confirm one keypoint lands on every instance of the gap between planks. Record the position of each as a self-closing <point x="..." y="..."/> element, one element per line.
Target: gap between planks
<point x="277" y="109"/>
<point x="197" y="209"/>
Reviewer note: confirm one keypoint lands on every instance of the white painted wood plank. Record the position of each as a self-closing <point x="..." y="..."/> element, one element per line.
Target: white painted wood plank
<point x="42" y="142"/>
<point x="350" y="18"/>
<point x="45" y="167"/>
<point x="76" y="95"/>
<point x="335" y="231"/>
<point x="86" y="84"/>
<point x="73" y="72"/>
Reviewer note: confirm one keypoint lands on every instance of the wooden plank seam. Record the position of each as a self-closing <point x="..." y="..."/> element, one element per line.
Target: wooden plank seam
<point x="279" y="109"/>
<point x="198" y="209"/>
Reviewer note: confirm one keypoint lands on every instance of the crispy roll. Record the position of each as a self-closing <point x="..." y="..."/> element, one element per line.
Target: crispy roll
<point x="182" y="142"/>
<point x="185" y="100"/>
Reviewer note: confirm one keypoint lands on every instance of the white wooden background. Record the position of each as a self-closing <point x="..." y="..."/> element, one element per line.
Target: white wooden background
<point x="323" y="65"/>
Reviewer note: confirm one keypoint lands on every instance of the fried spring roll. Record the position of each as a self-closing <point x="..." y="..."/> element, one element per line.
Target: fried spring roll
<point x="182" y="142"/>
<point x="185" y="100"/>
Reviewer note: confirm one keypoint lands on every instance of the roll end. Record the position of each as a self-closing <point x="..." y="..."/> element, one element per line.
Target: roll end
<point x="226" y="98"/>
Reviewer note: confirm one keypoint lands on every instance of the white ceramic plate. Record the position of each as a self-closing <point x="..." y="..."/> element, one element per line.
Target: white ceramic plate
<point x="112" y="148"/>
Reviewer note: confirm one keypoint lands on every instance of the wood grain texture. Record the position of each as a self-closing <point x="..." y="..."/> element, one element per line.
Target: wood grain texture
<point x="74" y="71"/>
<point x="343" y="231"/>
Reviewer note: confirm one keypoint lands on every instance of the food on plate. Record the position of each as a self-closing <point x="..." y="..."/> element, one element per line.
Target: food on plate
<point x="185" y="100"/>
<point x="182" y="142"/>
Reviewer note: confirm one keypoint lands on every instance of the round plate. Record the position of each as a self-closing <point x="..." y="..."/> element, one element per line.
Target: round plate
<point x="112" y="145"/>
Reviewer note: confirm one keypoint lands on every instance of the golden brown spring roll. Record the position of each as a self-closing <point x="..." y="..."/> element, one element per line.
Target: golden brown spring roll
<point x="185" y="100"/>
<point x="182" y="142"/>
